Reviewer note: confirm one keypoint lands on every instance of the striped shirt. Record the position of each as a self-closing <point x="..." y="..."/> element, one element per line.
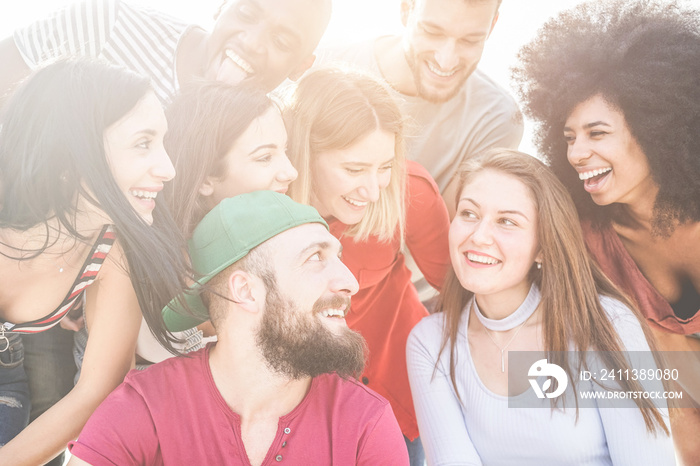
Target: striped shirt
<point x="140" y="39"/>
<point x="73" y="300"/>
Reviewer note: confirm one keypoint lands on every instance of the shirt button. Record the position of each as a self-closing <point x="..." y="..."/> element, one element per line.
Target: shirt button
<point x="278" y="457"/>
<point x="287" y="430"/>
<point x="365" y="380"/>
<point x="284" y="444"/>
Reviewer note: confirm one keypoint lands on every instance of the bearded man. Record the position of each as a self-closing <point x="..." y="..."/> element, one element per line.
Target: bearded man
<point x="278" y="386"/>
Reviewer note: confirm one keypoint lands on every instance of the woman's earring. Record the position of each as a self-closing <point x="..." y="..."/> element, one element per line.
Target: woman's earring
<point x="539" y="265"/>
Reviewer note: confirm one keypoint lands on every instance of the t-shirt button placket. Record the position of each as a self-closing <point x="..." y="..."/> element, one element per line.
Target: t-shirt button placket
<point x="287" y="431"/>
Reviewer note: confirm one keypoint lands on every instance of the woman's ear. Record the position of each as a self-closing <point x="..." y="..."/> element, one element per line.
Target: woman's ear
<point x="207" y="188"/>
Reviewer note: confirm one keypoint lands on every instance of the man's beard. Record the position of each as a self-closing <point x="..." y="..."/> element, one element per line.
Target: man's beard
<point x="297" y="345"/>
<point x="436" y="97"/>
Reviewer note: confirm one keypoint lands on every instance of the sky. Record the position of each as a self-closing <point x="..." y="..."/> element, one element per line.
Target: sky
<point x="353" y="20"/>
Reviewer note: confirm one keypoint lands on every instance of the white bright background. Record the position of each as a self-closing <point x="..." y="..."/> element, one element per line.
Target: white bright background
<point x="353" y="19"/>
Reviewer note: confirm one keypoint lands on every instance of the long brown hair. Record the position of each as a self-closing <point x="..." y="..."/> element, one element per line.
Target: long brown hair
<point x="333" y="109"/>
<point x="569" y="281"/>
<point x="52" y="153"/>
<point x="205" y="120"/>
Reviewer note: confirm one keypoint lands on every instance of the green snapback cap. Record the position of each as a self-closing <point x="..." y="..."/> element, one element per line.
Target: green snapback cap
<point x="226" y="235"/>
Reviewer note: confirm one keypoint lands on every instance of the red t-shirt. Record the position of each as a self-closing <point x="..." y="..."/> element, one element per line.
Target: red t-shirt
<point x="172" y="413"/>
<point x="387" y="307"/>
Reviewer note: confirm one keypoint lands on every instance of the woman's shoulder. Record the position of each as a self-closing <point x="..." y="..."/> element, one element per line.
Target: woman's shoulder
<point x="115" y="260"/>
<point x="429" y="328"/>
<point x="626" y="324"/>
<point x="431" y="322"/>
<point x="423" y="199"/>
<point x="429" y="331"/>
<point x="614" y="308"/>
<point x="419" y="178"/>
<point x="425" y="341"/>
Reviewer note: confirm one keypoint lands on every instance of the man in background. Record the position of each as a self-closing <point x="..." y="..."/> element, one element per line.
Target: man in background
<point x="261" y="41"/>
<point x="454" y="110"/>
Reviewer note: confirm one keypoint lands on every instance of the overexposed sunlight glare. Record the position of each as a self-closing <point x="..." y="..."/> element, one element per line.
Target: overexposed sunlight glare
<point x="352" y="20"/>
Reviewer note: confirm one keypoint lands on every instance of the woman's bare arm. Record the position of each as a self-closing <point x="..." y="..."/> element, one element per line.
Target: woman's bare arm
<point x="113" y="316"/>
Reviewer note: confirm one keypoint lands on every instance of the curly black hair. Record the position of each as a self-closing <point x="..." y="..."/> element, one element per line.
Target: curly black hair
<point x="643" y="58"/>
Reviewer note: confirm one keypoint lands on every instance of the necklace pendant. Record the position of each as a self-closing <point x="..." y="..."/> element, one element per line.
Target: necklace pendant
<point x="503" y="361"/>
<point x="60" y="270"/>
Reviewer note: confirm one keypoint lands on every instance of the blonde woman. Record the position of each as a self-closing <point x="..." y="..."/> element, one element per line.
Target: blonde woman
<point x="345" y="140"/>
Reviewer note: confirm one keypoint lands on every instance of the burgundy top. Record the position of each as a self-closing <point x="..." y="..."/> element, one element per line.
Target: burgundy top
<point x="607" y="249"/>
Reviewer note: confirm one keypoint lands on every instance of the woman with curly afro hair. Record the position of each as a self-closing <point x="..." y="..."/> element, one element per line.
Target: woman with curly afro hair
<point x="615" y="89"/>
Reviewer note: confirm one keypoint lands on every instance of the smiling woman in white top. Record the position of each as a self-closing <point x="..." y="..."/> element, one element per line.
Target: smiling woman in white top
<point x="523" y="281"/>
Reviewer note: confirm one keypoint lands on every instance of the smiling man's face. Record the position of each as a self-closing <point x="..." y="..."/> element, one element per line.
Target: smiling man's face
<point x="443" y="43"/>
<point x="264" y="41"/>
<point x="302" y="331"/>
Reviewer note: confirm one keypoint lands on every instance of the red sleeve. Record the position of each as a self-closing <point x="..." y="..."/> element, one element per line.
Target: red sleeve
<point x="121" y="431"/>
<point x="427" y="225"/>
<point x="383" y="443"/>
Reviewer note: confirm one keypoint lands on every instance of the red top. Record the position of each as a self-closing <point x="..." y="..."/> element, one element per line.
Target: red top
<point x="387" y="306"/>
<point x="172" y="413"/>
<point x="607" y="249"/>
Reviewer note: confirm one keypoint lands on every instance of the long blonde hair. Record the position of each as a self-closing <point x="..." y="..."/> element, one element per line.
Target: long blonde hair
<point x="569" y="281"/>
<point x="333" y="109"/>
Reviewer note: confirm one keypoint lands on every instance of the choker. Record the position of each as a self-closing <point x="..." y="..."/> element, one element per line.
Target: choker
<point x="521" y="314"/>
